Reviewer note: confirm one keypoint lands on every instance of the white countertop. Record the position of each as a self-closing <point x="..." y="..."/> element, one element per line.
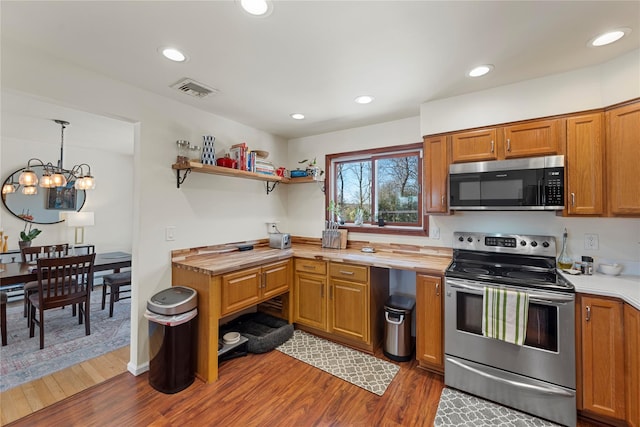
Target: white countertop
<point x="627" y="288"/>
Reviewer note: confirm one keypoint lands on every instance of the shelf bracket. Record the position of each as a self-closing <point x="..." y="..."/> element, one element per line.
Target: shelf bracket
<point x="271" y="187"/>
<point x="180" y="181"/>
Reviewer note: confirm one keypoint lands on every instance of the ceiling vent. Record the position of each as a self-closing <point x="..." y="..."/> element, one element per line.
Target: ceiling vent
<point x="193" y="88"/>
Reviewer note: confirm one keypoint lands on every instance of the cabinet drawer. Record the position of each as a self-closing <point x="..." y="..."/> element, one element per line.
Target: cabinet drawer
<point x="354" y="273"/>
<point x="311" y="266"/>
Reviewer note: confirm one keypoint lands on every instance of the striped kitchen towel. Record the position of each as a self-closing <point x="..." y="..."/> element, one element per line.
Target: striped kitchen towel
<point x="504" y="315"/>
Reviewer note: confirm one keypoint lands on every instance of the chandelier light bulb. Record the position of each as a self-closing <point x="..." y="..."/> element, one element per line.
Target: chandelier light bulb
<point x="29" y="190"/>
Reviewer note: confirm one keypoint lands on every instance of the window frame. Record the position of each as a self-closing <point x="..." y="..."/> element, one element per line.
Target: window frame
<point x="373" y="154"/>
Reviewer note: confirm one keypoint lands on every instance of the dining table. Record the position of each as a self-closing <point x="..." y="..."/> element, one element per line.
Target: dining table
<point x="21" y="272"/>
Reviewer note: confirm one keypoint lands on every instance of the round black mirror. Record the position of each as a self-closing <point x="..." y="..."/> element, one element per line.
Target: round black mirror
<point x="45" y="206"/>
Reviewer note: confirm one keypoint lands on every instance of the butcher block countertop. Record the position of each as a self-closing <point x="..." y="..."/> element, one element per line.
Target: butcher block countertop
<point x="226" y="258"/>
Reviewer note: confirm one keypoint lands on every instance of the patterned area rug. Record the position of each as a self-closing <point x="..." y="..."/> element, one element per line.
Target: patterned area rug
<point x="65" y="342"/>
<point x="460" y="409"/>
<point x="362" y="370"/>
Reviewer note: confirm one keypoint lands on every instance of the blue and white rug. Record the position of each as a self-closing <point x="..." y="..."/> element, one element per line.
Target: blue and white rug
<point x="457" y="409"/>
<point x="65" y="342"/>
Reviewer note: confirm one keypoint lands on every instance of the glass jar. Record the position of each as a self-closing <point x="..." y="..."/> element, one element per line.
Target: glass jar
<point x="564" y="260"/>
<point x="183" y="150"/>
<point x="194" y="153"/>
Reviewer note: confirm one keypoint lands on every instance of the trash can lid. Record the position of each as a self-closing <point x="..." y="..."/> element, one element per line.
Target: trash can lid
<point x="174" y="300"/>
<point x="400" y="302"/>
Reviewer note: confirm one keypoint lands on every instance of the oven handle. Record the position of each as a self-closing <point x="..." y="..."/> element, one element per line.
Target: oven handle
<point x="549" y="298"/>
<point x="546" y="390"/>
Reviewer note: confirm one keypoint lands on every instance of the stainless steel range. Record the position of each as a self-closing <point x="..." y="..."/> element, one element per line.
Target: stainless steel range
<point x="538" y="376"/>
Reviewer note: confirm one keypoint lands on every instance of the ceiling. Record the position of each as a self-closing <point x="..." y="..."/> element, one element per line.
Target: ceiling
<point x="315" y="57"/>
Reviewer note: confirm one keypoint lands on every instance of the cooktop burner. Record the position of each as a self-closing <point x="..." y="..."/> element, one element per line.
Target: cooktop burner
<point x="515" y="260"/>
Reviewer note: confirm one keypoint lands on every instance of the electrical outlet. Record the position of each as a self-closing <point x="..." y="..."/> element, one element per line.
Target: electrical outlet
<point x="272" y="227"/>
<point x="591" y="242"/>
<point x="434" y="232"/>
<point x="170" y="233"/>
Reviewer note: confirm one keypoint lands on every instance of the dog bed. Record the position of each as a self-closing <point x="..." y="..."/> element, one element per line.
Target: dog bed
<point x="264" y="332"/>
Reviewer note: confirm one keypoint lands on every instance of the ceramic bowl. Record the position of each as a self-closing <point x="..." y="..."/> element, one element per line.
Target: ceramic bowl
<point x="611" y="269"/>
<point x="231" y="337"/>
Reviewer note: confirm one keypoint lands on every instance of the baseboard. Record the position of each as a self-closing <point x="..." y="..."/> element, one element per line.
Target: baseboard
<point x="137" y="370"/>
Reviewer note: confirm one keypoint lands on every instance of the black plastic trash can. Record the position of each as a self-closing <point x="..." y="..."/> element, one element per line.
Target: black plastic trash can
<point x="398" y="344"/>
<point x="172" y="338"/>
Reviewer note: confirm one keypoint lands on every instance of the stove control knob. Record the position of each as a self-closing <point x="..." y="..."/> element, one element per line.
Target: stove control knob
<point x="461" y="239"/>
<point x="523" y="243"/>
<point x="534" y="243"/>
<point x="470" y="239"/>
<point x="545" y="244"/>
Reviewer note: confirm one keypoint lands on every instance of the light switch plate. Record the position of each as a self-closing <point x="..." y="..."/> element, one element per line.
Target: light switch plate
<point x="434" y="232"/>
<point x="170" y="233"/>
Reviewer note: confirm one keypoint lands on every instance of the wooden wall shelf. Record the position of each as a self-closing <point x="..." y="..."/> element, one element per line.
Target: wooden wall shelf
<point x="219" y="170"/>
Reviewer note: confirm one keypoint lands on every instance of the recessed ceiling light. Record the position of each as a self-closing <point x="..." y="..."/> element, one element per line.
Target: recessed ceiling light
<point x="173" y="54"/>
<point x="297" y="116"/>
<point x="480" y="70"/>
<point x="257" y="7"/>
<point x="609" y="37"/>
<point x="364" y="99"/>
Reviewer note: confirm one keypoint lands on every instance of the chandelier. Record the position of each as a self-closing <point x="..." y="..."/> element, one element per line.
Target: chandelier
<point x="53" y="175"/>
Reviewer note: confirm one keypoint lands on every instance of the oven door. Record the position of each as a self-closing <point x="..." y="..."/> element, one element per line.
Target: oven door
<point x="548" y="353"/>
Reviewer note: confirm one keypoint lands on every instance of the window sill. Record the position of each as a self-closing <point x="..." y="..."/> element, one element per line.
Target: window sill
<point x="387" y="229"/>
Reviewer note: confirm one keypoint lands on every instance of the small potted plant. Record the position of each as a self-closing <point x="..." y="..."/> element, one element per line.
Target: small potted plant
<point x="26" y="237"/>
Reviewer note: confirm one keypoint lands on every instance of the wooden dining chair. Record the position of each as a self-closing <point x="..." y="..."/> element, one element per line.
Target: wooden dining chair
<point x="31" y="254"/>
<point x="61" y="282"/>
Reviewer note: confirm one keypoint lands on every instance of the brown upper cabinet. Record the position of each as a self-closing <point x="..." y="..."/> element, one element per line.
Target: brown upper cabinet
<point x="623" y="158"/>
<point x="585" y="165"/>
<point x="529" y="139"/>
<point x="436" y="172"/>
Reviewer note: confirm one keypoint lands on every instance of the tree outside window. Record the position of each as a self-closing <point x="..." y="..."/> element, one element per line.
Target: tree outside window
<point x="382" y="186"/>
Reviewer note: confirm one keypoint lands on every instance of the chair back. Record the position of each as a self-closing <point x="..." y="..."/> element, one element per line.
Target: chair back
<point x="32" y="253"/>
<point x="64" y="280"/>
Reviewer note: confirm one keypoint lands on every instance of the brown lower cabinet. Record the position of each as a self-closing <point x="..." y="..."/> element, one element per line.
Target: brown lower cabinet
<point x="607" y="359"/>
<point x="339" y="301"/>
<point x="429" y="323"/>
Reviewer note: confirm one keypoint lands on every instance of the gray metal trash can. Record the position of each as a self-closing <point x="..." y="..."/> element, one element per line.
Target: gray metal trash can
<point x="172" y="338"/>
<point x="398" y="344"/>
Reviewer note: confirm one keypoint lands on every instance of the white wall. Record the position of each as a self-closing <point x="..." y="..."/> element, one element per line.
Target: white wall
<point x="206" y="210"/>
<point x="593" y="87"/>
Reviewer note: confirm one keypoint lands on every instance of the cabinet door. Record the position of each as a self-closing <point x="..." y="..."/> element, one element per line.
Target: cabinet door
<point x="474" y="146"/>
<point x="603" y="356"/>
<point x="349" y="309"/>
<point x="275" y="279"/>
<point x="436" y="173"/>
<point x="429" y="327"/>
<point x="538" y="138"/>
<point x="584" y="164"/>
<point x="240" y="290"/>
<point x="632" y="363"/>
<point x="623" y="158"/>
<point x="310" y="300"/>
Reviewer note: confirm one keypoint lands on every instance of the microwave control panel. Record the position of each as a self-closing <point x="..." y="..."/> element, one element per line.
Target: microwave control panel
<point x="554" y="187"/>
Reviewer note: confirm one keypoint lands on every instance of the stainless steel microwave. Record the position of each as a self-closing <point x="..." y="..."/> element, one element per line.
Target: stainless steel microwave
<point x="535" y="183"/>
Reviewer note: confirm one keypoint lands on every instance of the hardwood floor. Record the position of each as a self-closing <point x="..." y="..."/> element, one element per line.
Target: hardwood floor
<point x="269" y="389"/>
<point x="27" y="398"/>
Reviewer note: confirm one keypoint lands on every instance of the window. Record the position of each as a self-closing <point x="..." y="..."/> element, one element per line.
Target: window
<point x="377" y="191"/>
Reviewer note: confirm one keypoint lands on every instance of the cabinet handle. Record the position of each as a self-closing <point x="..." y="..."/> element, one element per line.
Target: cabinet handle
<point x="492" y="146"/>
<point x="588" y="313"/>
<point x="508" y="144"/>
<point x="309" y="267"/>
<point x="573" y="199"/>
<point x="438" y="289"/>
<point x="442" y="200"/>
<point x="348" y="273"/>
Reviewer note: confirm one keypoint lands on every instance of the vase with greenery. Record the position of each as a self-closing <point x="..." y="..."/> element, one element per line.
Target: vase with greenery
<point x="26" y="237"/>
